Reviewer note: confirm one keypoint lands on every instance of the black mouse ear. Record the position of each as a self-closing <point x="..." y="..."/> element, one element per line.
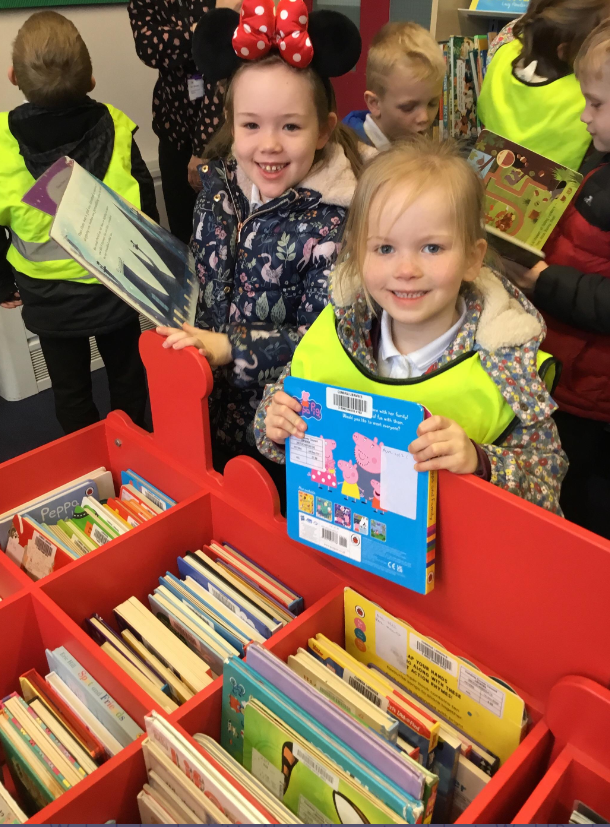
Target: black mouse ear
<point x="336" y="43"/>
<point x="213" y="51"/>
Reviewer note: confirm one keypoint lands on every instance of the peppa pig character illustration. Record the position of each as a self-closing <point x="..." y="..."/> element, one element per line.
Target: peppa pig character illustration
<point x="368" y="457"/>
<point x="305" y="400"/>
<point x="349" y="489"/>
<point x="328" y="476"/>
<point x="376" y="486"/>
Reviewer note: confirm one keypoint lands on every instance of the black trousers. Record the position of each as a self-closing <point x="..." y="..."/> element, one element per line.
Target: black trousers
<point x="68" y="361"/>
<point x="178" y="194"/>
<point x="585" y="493"/>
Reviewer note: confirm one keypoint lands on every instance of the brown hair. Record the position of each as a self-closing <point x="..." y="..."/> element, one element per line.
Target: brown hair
<point x="324" y="101"/>
<point x="549" y="24"/>
<point x="51" y="62"/>
<point x="411" y="167"/>
<point x="594" y="53"/>
<point x="407" y="44"/>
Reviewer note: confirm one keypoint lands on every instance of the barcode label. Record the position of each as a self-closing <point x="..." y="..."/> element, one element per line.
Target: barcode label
<point x="337" y="540"/>
<point x="98" y="536"/>
<point x="154" y="499"/>
<point x="364" y="690"/>
<point x="223" y="599"/>
<point x="434" y="655"/>
<point x="43" y="546"/>
<point x="315" y="766"/>
<point x="334" y="537"/>
<point x="79" y="544"/>
<point x="338" y="399"/>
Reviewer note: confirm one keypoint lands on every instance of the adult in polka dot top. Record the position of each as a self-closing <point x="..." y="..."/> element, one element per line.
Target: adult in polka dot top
<point x="186" y="109"/>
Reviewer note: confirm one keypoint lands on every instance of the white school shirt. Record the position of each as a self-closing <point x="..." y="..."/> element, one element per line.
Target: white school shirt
<point x="394" y="365"/>
<point x="375" y="135"/>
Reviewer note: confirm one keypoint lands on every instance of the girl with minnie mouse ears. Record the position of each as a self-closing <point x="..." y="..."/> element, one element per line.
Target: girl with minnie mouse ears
<point x="279" y="178"/>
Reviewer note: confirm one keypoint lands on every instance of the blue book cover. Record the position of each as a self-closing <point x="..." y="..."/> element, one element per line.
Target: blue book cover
<point x="297" y="605"/>
<point x="241" y="684"/>
<point x="228" y="597"/>
<point x="515" y="7"/>
<point x="96" y="699"/>
<point x="52" y="508"/>
<point x="352" y="488"/>
<point x="170" y="581"/>
<point x="156" y="496"/>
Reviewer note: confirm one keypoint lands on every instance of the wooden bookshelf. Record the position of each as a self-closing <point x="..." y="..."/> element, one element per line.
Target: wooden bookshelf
<point x="449" y="17"/>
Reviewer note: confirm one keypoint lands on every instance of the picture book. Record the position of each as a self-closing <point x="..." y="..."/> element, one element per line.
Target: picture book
<point x="482" y="707"/>
<point x="34" y="549"/>
<point x="241" y="685"/>
<point x="352" y="488"/>
<point x="303" y="778"/>
<point x="525" y="193"/>
<point x="153" y="494"/>
<point x="461" y="88"/>
<point x="133" y="256"/>
<point x="10" y="811"/>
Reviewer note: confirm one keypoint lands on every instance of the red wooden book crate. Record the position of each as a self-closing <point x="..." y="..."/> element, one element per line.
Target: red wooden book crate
<point x="521" y="593"/>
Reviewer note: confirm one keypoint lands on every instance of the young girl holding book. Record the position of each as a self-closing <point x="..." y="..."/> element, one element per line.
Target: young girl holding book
<point x="412" y="305"/>
<point x="530" y="94"/>
<point x="268" y="221"/>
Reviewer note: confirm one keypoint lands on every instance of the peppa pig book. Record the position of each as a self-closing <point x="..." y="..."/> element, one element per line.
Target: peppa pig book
<point x="352" y="488"/>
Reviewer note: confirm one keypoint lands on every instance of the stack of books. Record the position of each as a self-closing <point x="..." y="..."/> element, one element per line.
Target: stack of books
<point x="392" y="728"/>
<point x="466" y="62"/>
<point x="585" y="815"/>
<point x="177" y="647"/>
<point x="77" y="518"/>
<point x="58" y="731"/>
<point x="205" y="786"/>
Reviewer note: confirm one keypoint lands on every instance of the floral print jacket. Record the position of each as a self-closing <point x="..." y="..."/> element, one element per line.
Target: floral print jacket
<point x="264" y="277"/>
<point x="507" y="331"/>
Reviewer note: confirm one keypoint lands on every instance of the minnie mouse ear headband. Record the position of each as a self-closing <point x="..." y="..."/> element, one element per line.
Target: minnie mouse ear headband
<point x="327" y="41"/>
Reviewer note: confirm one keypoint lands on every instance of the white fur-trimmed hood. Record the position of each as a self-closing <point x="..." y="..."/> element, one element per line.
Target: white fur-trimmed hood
<point x="332" y="176"/>
<point x="505" y="321"/>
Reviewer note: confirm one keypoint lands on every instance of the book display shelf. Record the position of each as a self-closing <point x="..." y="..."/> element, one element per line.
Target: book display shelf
<point x="519" y="592"/>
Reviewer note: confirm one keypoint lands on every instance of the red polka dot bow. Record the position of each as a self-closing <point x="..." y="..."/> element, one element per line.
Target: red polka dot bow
<point x="262" y="27"/>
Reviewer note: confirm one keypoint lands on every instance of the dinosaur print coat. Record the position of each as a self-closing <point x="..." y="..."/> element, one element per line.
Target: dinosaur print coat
<point x="263" y="276"/>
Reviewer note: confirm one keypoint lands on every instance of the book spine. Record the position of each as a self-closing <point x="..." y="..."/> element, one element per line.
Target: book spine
<point x="67" y="755"/>
<point x="33" y="746"/>
<point x="96" y="699"/>
<point x="431" y="532"/>
<point x="33" y="792"/>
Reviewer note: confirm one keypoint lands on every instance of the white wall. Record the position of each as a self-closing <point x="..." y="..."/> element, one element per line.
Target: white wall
<point x="122" y="79"/>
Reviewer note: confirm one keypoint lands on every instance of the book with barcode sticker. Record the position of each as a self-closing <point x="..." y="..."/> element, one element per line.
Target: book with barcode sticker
<point x="484" y="708"/>
<point x="353" y="491"/>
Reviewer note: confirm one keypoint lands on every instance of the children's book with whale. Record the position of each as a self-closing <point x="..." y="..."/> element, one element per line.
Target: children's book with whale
<point x="352" y="488"/>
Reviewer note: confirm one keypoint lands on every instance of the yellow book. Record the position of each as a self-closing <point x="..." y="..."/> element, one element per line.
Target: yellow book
<point x="485" y="710"/>
<point x="134" y="673"/>
<point x="180" y="690"/>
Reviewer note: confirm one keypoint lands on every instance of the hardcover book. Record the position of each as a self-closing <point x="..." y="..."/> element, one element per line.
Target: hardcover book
<point x="352" y="488"/>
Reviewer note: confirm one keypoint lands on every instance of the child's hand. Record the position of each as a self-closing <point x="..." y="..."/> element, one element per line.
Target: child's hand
<point x="283" y="420"/>
<point x="442" y="444"/>
<point x="524" y="279"/>
<point x="216" y="347"/>
<point x="11" y="304"/>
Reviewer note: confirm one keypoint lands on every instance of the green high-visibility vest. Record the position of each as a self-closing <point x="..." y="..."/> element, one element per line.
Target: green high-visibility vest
<point x="32" y="251"/>
<point x="461" y="390"/>
<point x="544" y="118"/>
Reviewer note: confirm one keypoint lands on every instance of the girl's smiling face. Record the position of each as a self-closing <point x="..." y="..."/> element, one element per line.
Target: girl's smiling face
<point x="276" y="131"/>
<point x="414" y="265"/>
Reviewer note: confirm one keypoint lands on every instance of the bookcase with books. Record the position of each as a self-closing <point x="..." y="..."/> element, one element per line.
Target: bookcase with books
<point x="519" y="593"/>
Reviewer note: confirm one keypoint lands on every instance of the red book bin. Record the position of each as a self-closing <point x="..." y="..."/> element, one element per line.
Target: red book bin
<point x="521" y="593"/>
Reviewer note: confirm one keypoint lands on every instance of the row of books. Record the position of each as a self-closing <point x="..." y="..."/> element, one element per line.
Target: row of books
<point x="77" y="518"/>
<point x="390" y="729"/>
<point x="57" y="732"/>
<point x="221" y="601"/>
<point x="466" y="65"/>
<point x="200" y="786"/>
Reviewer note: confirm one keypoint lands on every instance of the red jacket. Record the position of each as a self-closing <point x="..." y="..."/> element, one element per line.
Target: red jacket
<point x="573" y="294"/>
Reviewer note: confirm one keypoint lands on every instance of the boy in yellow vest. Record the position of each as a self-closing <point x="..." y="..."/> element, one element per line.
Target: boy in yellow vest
<point x="62" y="303"/>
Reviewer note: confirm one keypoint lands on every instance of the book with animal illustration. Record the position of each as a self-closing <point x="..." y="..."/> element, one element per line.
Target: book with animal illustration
<point x="525" y="195"/>
<point x="144" y="264"/>
<point x="352" y="488"/>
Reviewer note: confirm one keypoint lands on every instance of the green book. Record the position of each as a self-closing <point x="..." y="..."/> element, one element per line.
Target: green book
<point x="310" y="785"/>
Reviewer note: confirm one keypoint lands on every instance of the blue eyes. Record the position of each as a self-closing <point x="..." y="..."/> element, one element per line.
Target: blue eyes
<point x="433" y="249"/>
<point x="385" y="249"/>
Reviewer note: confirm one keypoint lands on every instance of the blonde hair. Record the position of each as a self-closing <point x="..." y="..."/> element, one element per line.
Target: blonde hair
<point x="406" y="44"/>
<point x="594" y="53"/>
<point x="412" y="168"/>
<point x="51" y="62"/>
<point x="324" y="101"/>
